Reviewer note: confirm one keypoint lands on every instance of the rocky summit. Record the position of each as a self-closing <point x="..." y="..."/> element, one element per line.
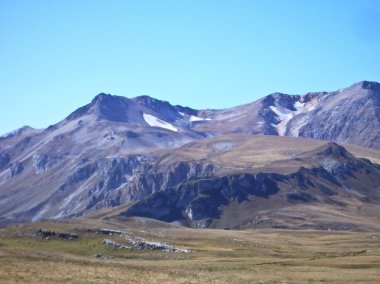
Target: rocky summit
<point x="274" y="162"/>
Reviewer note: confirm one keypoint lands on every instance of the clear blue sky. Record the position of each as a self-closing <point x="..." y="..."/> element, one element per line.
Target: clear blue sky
<point x="55" y="56"/>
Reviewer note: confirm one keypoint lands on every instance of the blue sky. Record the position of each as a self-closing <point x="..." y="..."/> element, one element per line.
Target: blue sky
<point x="55" y="56"/>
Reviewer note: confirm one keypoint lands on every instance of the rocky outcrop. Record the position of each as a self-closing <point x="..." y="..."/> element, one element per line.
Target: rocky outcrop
<point x="16" y="168"/>
<point x="153" y="181"/>
<point x="52" y="234"/>
<point x="4" y="160"/>
<point x="113" y="108"/>
<point x="165" y="109"/>
<point x="142" y="244"/>
<point x="202" y="198"/>
<point x="44" y="162"/>
<point x="331" y="171"/>
<point x="132" y="179"/>
<point x="118" y="171"/>
<point x="114" y="244"/>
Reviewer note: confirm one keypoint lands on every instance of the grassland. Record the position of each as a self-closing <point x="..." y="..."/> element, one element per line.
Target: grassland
<point x="233" y="153"/>
<point x="218" y="256"/>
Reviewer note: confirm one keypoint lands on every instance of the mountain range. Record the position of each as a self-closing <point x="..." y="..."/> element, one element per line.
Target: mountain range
<point x="274" y="162"/>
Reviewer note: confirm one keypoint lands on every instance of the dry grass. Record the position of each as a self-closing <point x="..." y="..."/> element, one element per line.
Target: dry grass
<point x="263" y="256"/>
<point x="242" y="152"/>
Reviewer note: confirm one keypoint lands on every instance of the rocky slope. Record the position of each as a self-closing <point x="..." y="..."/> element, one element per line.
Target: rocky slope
<point x="115" y="151"/>
<point x="326" y="175"/>
<point x="350" y="115"/>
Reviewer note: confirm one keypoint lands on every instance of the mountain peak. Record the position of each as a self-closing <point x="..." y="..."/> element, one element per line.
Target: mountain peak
<point x="105" y="98"/>
<point x="333" y="149"/>
<point x="113" y="108"/>
<point x="163" y="108"/>
<point x="145" y="98"/>
<point x="17" y="131"/>
<point x="149" y="101"/>
<point x="367" y="85"/>
<point x="281" y="100"/>
<point x="330" y="150"/>
<point x="106" y="106"/>
<point x="117" y="150"/>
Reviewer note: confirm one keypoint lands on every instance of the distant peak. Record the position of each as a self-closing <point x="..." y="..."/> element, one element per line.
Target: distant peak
<point x="147" y="100"/>
<point x="280" y="99"/>
<point x="279" y="94"/>
<point x="367" y="85"/>
<point x="330" y="149"/>
<point x="150" y="102"/>
<point x="144" y="97"/>
<point x="17" y="131"/>
<point x="101" y="97"/>
<point x="26" y="127"/>
<point x="104" y="99"/>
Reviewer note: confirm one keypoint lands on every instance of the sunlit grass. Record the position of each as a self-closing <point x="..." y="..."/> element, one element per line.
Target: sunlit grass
<point x="263" y="256"/>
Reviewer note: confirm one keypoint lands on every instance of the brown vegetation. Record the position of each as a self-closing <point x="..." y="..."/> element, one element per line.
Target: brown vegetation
<point x="219" y="256"/>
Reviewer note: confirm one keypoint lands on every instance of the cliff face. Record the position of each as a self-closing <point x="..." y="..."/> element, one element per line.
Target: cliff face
<point x="200" y="201"/>
<point x="327" y="175"/>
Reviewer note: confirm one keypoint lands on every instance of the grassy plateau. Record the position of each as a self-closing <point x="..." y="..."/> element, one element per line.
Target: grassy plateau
<point x="217" y="256"/>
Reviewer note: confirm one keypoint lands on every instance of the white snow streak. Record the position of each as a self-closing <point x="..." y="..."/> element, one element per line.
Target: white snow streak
<point x="284" y="114"/>
<point x="156" y="122"/>
<point x="197" y="118"/>
<point x="193" y="118"/>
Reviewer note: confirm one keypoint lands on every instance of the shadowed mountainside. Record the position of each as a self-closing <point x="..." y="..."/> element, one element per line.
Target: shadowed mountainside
<point x="327" y="176"/>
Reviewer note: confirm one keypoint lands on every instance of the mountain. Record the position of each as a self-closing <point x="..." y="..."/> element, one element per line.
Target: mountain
<point x="326" y="177"/>
<point x="144" y="153"/>
<point x="350" y="115"/>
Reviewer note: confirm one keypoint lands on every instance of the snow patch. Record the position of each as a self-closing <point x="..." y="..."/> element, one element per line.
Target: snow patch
<point x="302" y="108"/>
<point x="197" y="118"/>
<point x="298" y="105"/>
<point x="156" y="122"/>
<point x="192" y="118"/>
<point x="189" y="213"/>
<point x="284" y="114"/>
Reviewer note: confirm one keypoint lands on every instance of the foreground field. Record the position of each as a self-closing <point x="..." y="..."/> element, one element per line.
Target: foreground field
<point x="218" y="256"/>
